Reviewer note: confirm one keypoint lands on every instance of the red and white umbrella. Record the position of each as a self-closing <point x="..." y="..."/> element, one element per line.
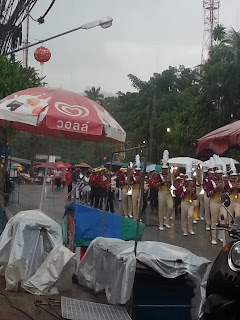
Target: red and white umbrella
<point x="61" y="166"/>
<point x="67" y="165"/>
<point x="18" y="165"/>
<point x="43" y="165"/>
<point x="51" y="111"/>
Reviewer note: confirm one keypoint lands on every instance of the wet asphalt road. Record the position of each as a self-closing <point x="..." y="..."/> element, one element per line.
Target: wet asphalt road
<point x="55" y="201"/>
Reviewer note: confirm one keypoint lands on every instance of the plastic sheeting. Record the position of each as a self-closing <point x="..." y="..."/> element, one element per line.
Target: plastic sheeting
<point x="54" y="274"/>
<point x="26" y="252"/>
<point x="110" y="265"/>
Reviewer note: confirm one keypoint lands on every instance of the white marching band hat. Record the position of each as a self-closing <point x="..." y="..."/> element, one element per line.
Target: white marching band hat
<point x="233" y="168"/>
<point x="138" y="162"/>
<point x="165" y="159"/>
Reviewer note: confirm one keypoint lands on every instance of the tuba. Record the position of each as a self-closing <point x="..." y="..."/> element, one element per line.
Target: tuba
<point x="129" y="172"/>
<point x="172" y="188"/>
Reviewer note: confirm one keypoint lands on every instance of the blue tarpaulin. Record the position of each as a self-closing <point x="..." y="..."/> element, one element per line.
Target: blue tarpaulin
<point x="88" y="225"/>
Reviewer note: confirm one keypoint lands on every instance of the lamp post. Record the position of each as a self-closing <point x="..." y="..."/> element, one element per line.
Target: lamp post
<point x="105" y="23"/>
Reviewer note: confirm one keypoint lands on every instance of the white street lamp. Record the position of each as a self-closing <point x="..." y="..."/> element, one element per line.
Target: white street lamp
<point x="168" y="130"/>
<point x="104" y="23"/>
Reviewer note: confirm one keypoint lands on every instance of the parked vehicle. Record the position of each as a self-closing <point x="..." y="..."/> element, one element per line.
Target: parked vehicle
<point x="223" y="285"/>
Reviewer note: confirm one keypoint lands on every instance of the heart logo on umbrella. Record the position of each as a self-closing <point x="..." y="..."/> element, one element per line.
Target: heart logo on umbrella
<point x="73" y="111"/>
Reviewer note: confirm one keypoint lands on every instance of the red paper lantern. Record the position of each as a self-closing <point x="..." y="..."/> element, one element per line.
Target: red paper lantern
<point x="42" y="54"/>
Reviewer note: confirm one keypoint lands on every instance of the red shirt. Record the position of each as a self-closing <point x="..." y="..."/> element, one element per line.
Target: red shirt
<point x="152" y="183"/>
<point x="68" y="178"/>
<point x="98" y="180"/>
<point x="92" y="178"/>
<point x="104" y="184"/>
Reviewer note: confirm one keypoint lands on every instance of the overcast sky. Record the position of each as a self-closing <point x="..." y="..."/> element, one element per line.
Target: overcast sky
<point x="147" y="36"/>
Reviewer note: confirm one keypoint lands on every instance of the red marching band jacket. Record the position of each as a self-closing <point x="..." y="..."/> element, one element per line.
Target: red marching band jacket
<point x="161" y="180"/>
<point x="184" y="195"/>
<point x="122" y="180"/>
<point x="206" y="182"/>
<point x="232" y="188"/>
<point x="212" y="188"/>
<point x="134" y="179"/>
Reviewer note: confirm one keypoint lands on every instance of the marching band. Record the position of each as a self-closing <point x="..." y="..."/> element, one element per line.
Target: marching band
<point x="196" y="194"/>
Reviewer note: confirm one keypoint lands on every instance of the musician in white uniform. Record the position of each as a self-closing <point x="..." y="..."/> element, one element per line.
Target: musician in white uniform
<point x="214" y="192"/>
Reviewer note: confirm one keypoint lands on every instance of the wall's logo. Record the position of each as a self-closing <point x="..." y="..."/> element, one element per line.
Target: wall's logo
<point x="73" y="111"/>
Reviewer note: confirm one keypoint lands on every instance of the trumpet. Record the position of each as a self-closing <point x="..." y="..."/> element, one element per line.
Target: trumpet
<point x="172" y="188"/>
<point x="129" y="172"/>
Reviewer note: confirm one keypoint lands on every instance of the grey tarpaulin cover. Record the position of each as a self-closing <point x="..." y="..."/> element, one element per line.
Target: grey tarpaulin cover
<point x="110" y="264"/>
<point x="31" y="252"/>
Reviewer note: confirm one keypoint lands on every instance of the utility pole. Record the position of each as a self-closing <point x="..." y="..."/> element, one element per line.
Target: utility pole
<point x="26" y="43"/>
<point x="211" y="20"/>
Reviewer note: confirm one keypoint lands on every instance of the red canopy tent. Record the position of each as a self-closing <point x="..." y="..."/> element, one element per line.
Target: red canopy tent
<point x="219" y="140"/>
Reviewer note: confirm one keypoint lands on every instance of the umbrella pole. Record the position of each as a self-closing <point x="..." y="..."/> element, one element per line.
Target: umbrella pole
<point x="140" y="205"/>
<point x="106" y="200"/>
<point x="45" y="175"/>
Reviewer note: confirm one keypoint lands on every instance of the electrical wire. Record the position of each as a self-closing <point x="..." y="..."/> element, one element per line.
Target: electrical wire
<point x="41" y="18"/>
<point x="49" y="8"/>
<point x="32" y="18"/>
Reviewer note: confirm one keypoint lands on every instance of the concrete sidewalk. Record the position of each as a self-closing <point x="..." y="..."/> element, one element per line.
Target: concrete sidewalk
<point x="21" y="305"/>
<point x="53" y="206"/>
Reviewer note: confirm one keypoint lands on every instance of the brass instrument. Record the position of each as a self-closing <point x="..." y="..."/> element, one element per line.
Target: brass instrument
<point x="172" y="188"/>
<point x="129" y="172"/>
<point x="200" y="178"/>
<point x="234" y="185"/>
<point x="215" y="185"/>
<point x="188" y="183"/>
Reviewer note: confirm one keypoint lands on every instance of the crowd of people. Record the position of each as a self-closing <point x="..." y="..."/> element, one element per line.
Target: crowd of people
<point x="194" y="194"/>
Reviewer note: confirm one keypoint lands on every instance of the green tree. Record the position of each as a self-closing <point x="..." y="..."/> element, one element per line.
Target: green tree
<point x="94" y="94"/>
<point x="13" y="77"/>
<point x="219" y="33"/>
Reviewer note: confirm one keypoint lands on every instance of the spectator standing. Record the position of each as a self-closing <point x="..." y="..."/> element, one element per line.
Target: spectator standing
<point x="68" y="178"/>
